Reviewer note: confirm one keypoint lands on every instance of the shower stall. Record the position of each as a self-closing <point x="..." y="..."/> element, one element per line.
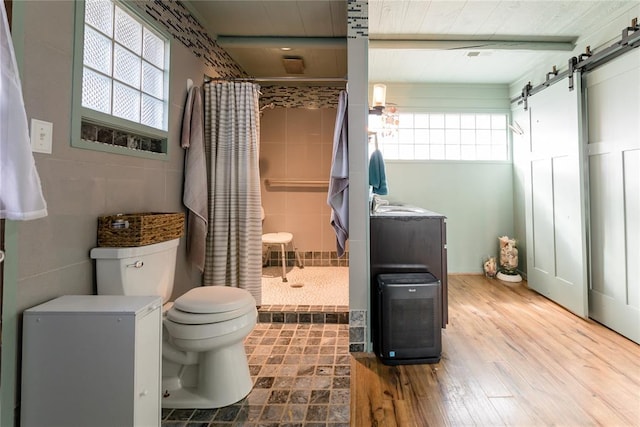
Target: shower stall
<point x="296" y="144"/>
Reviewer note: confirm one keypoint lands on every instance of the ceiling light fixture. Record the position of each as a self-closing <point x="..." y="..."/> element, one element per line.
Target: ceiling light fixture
<point x="389" y="119"/>
<point x="285" y="49"/>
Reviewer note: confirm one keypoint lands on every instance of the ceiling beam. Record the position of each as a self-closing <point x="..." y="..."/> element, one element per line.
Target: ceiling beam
<point x="282" y="42"/>
<point x="416" y="44"/>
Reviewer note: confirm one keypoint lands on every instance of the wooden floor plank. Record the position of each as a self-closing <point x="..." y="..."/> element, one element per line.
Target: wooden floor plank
<point x="510" y="357"/>
<point x="512" y="413"/>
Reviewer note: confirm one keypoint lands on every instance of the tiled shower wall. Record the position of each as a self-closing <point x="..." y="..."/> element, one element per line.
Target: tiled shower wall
<point x="296" y="145"/>
<point x="272" y="257"/>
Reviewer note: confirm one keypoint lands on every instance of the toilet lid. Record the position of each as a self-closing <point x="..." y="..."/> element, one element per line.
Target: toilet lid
<point x="184" y="318"/>
<point x="213" y="299"/>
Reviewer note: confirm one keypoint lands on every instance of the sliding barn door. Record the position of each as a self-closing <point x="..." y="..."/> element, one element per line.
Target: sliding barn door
<point x="613" y="105"/>
<point x="555" y="199"/>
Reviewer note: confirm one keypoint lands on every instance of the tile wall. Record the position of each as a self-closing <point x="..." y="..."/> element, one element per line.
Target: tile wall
<point x="308" y="258"/>
<point x="297" y="144"/>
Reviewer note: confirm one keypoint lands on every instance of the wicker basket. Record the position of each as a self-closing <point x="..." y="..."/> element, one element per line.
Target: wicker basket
<point x="139" y="229"/>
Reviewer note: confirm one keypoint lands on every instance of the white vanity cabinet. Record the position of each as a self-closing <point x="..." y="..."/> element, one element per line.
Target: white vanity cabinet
<point x="92" y="360"/>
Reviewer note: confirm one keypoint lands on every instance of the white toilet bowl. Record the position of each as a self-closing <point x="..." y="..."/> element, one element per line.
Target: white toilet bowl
<point x="204" y="362"/>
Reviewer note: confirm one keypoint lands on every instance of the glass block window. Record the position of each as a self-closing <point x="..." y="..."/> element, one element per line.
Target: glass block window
<point x="443" y="136"/>
<point x="124" y="71"/>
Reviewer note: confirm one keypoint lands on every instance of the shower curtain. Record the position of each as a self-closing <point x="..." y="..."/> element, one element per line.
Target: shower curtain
<point x="234" y="238"/>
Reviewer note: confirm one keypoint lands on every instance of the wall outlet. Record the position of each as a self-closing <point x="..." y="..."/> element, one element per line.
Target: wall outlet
<point x="41" y="136"/>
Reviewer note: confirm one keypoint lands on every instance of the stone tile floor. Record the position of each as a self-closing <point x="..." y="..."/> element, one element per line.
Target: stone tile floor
<point x="301" y="378"/>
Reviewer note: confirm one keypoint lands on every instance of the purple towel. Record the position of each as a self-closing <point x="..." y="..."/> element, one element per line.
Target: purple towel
<point x="338" y="197"/>
<point x="194" y="195"/>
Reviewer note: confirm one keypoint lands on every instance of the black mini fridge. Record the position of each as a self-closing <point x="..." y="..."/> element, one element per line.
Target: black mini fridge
<point x="409" y="312"/>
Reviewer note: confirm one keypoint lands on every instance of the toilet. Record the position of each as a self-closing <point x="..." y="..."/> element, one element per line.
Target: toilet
<point x="204" y="364"/>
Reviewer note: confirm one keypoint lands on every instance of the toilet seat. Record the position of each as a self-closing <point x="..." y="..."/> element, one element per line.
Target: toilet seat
<point x="211" y="304"/>
<point x="205" y="331"/>
<point x="184" y="318"/>
<point x="213" y="299"/>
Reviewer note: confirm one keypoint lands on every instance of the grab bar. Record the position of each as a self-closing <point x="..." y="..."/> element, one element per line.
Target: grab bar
<point x="296" y="183"/>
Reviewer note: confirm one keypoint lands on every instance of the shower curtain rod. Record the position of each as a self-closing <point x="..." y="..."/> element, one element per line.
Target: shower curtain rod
<point x="301" y="79"/>
<point x="208" y="79"/>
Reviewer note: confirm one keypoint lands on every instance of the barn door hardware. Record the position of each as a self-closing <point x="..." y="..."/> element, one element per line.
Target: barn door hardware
<point x="587" y="61"/>
<point x="553" y="72"/>
<point x="632" y="29"/>
<point x="587" y="53"/>
<point x="573" y="61"/>
<point x="526" y="92"/>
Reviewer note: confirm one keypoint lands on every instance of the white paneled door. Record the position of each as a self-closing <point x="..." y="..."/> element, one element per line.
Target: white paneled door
<point x="555" y="198"/>
<point x="613" y="106"/>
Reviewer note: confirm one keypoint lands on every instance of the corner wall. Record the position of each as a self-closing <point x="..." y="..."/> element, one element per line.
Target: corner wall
<point x="357" y="111"/>
<point x="49" y="257"/>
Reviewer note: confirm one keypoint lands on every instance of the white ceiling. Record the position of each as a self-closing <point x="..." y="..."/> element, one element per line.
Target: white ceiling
<point x="253" y="31"/>
<point x="525" y="21"/>
<point x="410" y="41"/>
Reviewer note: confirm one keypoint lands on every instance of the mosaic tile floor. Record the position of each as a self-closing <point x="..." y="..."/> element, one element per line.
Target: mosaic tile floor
<point x="301" y="378"/>
<point x="306" y="286"/>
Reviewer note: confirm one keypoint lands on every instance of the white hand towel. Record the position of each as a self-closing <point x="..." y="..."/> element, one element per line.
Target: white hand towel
<point x="20" y="190"/>
<point x="194" y="195"/>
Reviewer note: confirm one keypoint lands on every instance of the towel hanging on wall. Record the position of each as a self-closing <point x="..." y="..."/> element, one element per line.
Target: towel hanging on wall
<point x="338" y="197"/>
<point x="194" y="195"/>
<point x="377" y="174"/>
<point x="20" y="190"/>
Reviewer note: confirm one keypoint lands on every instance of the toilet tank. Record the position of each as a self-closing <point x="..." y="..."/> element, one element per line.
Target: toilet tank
<point x="142" y="270"/>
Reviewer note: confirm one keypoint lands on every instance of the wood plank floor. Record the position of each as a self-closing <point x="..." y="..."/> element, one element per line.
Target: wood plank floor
<point x="510" y="357"/>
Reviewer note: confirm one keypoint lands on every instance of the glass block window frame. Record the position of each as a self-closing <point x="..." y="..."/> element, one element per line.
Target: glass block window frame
<point x="121" y="76"/>
<point x="444" y="136"/>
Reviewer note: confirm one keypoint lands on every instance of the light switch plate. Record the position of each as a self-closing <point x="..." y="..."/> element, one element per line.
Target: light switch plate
<point x="41" y="136"/>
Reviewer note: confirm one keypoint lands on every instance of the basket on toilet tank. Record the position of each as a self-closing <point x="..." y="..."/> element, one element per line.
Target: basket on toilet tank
<point x="139" y="229"/>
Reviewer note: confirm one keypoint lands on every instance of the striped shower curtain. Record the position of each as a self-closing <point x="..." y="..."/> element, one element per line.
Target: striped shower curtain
<point x="234" y="240"/>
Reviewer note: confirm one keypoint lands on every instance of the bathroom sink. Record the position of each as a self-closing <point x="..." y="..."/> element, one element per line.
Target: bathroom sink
<point x="398" y="209"/>
<point x="382" y="206"/>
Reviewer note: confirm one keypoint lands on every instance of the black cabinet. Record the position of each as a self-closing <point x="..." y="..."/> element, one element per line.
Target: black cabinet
<point x="407" y="243"/>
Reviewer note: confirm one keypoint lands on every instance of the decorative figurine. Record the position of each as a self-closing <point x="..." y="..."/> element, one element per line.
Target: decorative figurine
<point x="508" y="260"/>
<point x="490" y="267"/>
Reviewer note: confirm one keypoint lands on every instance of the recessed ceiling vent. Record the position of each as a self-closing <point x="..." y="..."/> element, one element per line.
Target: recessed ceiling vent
<point x="476" y="53"/>
<point x="293" y="64"/>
